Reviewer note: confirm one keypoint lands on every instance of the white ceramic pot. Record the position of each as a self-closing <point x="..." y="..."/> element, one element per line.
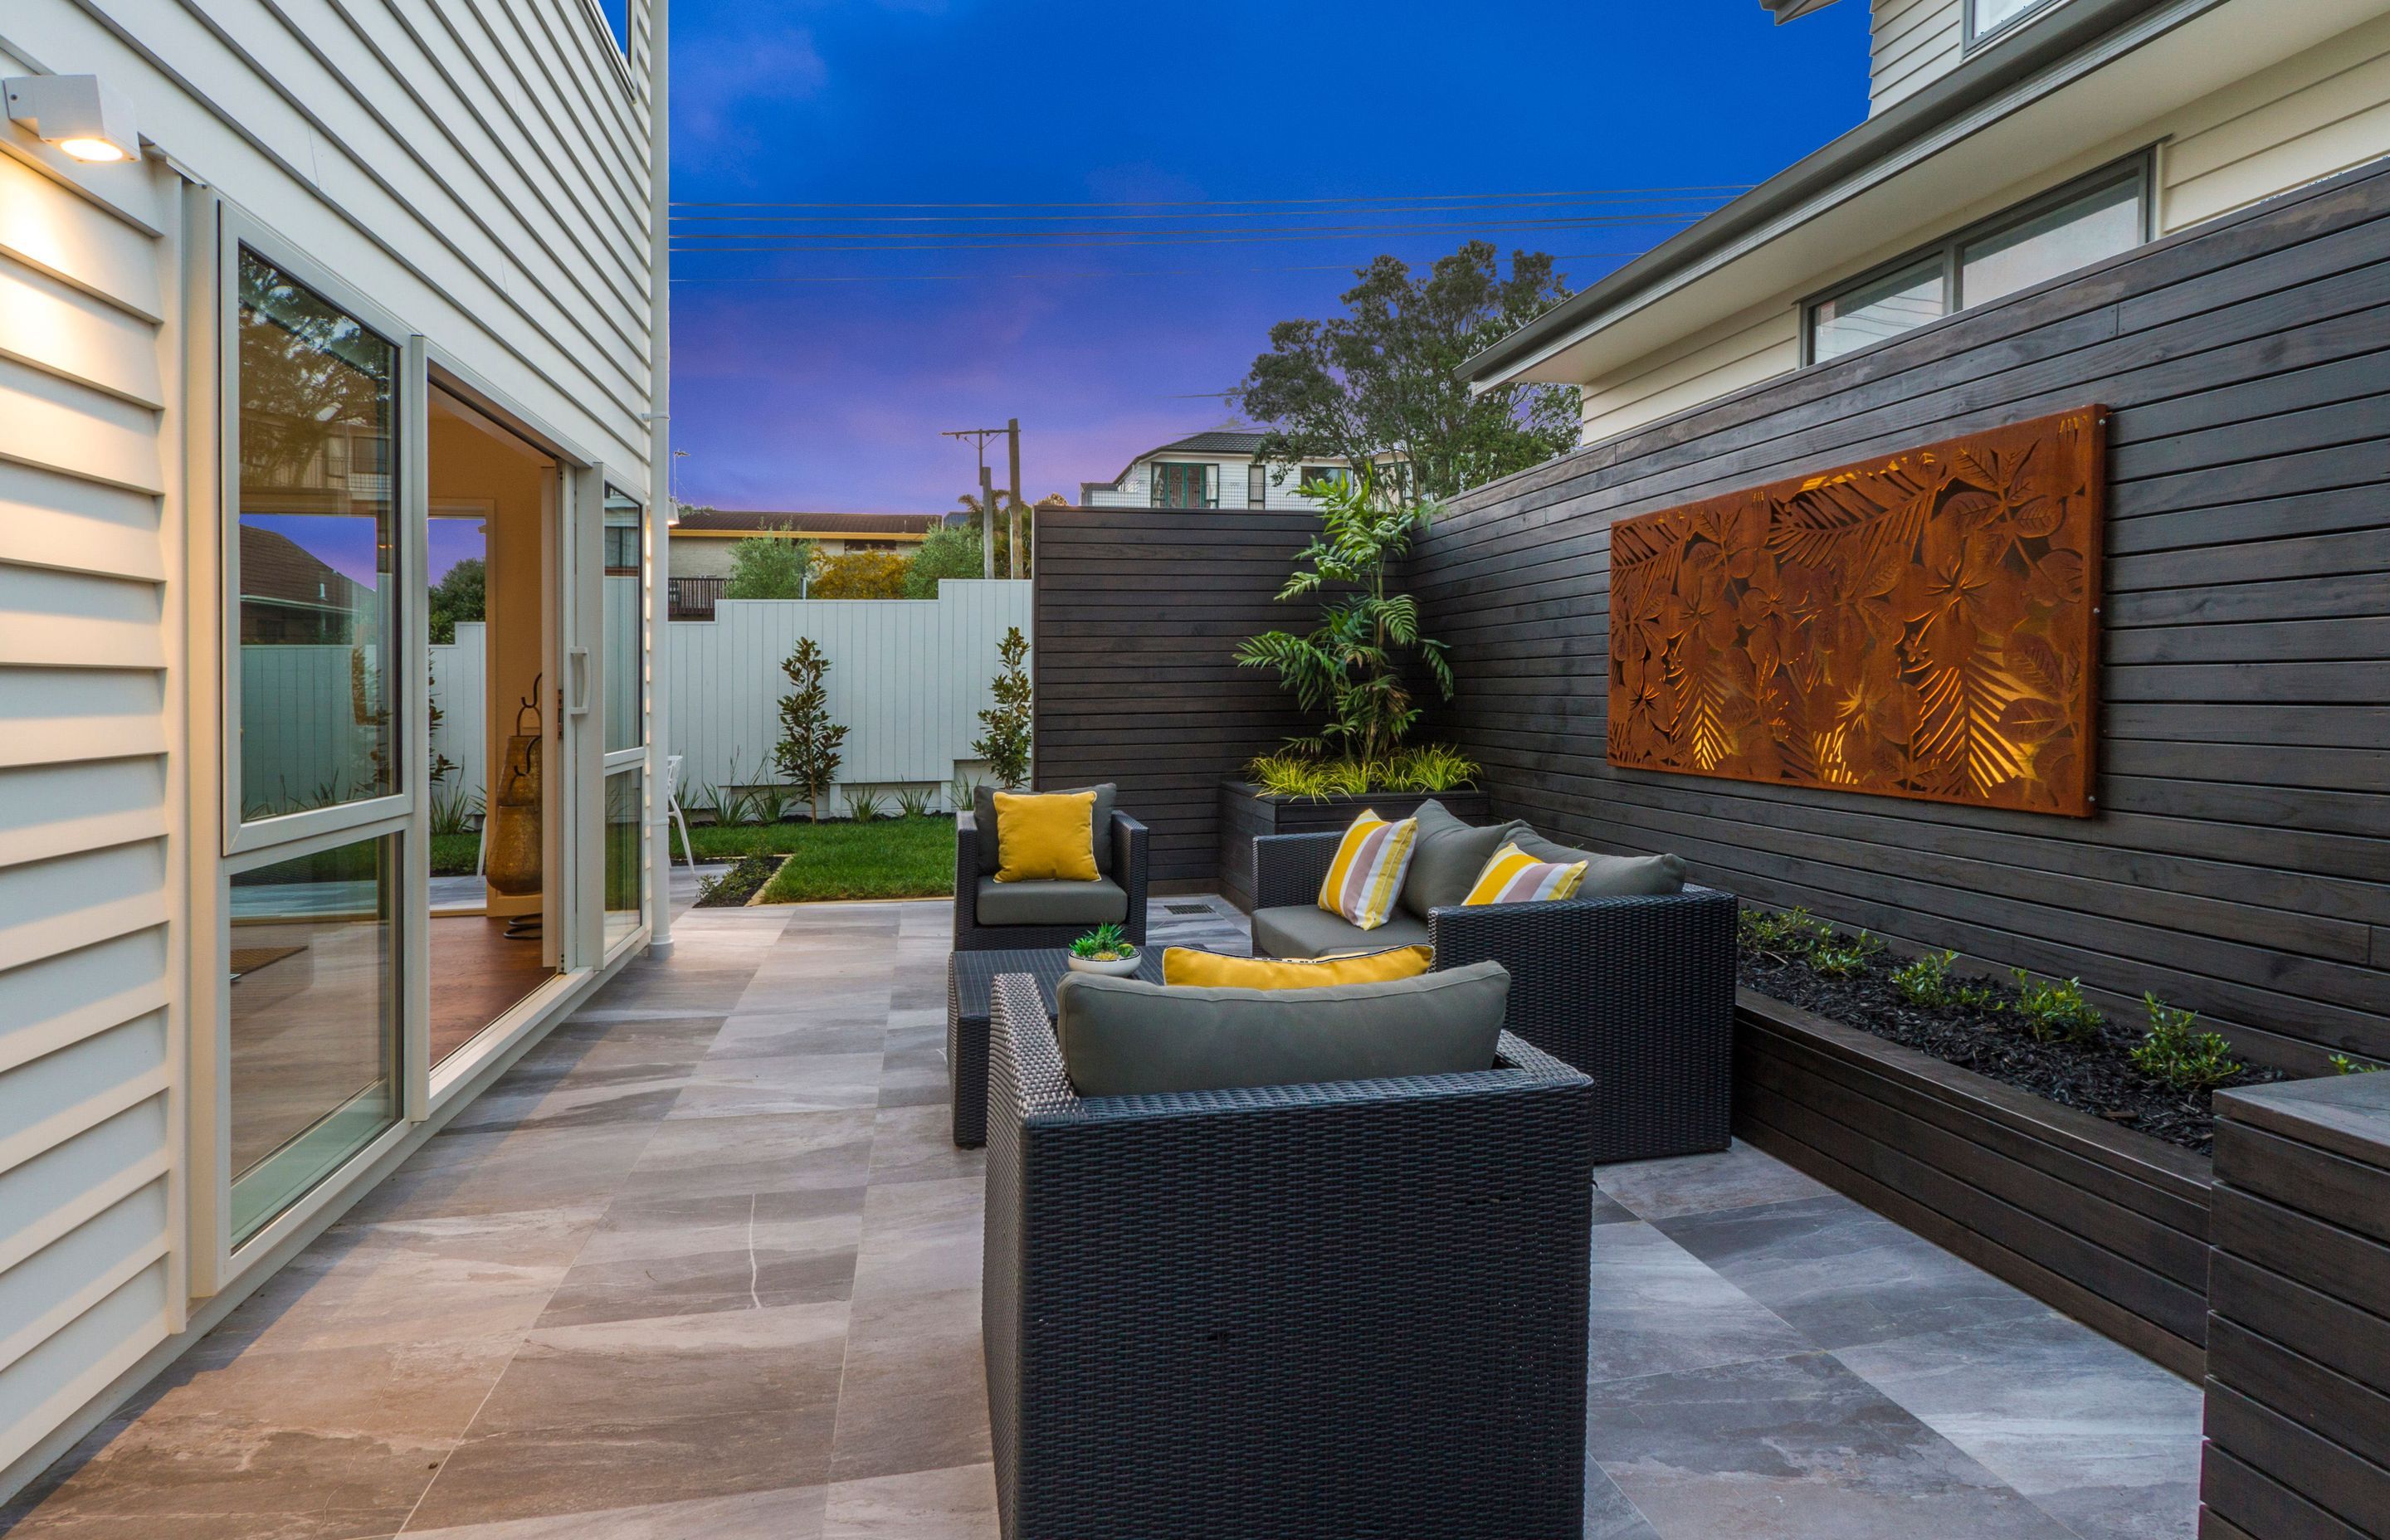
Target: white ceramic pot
<point x="1119" y="968"/>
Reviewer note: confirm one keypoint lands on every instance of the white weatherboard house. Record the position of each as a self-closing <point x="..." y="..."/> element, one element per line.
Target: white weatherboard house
<point x="302" y="303"/>
<point x="1217" y="468"/>
<point x="2010" y="141"/>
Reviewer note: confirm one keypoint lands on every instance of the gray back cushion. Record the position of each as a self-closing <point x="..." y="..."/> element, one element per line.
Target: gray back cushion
<point x="1127" y="1038"/>
<point x="1613" y="876"/>
<point x="1447" y="856"/>
<point x="983" y="817"/>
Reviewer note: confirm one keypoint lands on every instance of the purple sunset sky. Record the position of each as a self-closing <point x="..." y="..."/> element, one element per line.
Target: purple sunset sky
<point x="832" y="394"/>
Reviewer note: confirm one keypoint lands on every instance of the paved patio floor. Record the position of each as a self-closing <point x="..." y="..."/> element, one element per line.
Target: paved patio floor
<point x="705" y="1264"/>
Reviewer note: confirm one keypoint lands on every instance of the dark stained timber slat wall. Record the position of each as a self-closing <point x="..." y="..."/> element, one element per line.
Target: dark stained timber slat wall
<point x="2241" y="860"/>
<point x="1138" y="617"/>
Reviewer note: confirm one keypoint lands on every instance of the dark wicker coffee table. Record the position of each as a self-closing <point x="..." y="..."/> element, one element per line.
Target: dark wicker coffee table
<point x="968" y="974"/>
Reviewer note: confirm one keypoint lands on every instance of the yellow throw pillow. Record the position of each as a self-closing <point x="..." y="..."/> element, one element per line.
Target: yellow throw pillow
<point x="1368" y="871"/>
<point x="1514" y="877"/>
<point x="1049" y="838"/>
<point x="1185" y="964"/>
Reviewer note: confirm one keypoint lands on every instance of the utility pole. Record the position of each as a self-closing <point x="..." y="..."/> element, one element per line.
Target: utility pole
<point x="987" y="494"/>
<point x="1012" y="545"/>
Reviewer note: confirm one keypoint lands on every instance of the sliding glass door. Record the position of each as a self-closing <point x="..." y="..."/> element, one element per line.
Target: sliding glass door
<point x="316" y="806"/>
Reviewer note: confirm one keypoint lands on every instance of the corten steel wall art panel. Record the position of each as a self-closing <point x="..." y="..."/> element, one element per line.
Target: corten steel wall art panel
<point x="1923" y="626"/>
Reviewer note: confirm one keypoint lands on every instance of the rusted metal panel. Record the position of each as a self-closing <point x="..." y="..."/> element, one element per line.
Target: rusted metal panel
<point x="1921" y="626"/>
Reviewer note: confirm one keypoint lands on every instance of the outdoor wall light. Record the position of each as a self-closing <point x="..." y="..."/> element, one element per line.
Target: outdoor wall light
<point x="76" y="114"/>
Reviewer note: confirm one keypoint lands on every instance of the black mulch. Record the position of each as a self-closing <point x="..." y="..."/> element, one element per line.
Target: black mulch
<point x="2097" y="1076"/>
<point x="743" y="879"/>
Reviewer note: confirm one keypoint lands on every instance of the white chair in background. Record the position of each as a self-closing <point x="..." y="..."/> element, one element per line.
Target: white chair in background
<point x="671" y="805"/>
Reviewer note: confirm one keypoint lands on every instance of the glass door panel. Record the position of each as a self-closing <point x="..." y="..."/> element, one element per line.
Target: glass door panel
<point x="314" y="1020"/>
<point x="314" y="551"/>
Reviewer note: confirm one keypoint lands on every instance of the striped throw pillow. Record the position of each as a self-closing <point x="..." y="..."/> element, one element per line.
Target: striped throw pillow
<point x="1514" y="877"/>
<point x="1368" y="871"/>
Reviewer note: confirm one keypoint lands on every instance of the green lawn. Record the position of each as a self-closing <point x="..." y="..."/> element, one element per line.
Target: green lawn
<point x="886" y="858"/>
<point x="889" y="858"/>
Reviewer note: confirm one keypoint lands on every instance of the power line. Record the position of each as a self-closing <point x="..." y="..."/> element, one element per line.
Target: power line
<point x="1101" y="273"/>
<point x="1228" y="202"/>
<point x="1123" y="240"/>
<point x="1705" y="200"/>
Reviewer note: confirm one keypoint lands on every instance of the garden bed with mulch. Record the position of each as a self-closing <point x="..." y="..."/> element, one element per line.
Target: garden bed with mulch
<point x="2086" y="1063"/>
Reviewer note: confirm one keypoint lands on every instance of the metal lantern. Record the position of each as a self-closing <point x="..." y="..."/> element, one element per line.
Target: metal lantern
<point x="514" y="855"/>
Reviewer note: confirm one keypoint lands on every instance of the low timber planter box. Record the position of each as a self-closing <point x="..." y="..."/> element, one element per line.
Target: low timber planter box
<point x="2105" y="1224"/>
<point x="1247" y="812"/>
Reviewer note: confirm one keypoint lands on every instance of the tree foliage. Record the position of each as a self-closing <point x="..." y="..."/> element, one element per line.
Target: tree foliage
<point x="460" y="595"/>
<point x="1006" y="743"/>
<point x="861" y="575"/>
<point x="1350" y="666"/>
<point x="808" y="750"/>
<point x="1383" y="379"/>
<point x="767" y="567"/>
<point x="951" y="551"/>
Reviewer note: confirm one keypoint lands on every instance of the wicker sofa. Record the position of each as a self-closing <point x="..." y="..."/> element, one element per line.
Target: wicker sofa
<point x="1122" y="899"/>
<point x="1638" y="992"/>
<point x="1295" y="1311"/>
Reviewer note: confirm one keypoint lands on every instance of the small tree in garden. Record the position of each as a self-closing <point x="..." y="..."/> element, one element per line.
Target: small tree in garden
<point x="1005" y="745"/>
<point x="765" y="567"/>
<point x="860" y="575"/>
<point x="1350" y="665"/>
<point x="807" y="753"/>
<point x="951" y="551"/>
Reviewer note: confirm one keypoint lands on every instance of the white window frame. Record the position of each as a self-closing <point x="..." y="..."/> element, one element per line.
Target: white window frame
<point x="1949" y="251"/>
<point x="1977" y="37"/>
<point x="238" y="231"/>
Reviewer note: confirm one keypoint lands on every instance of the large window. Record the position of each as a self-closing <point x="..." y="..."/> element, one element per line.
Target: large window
<point x="314" y="552"/>
<point x="1179" y="485"/>
<point x="2084" y="223"/>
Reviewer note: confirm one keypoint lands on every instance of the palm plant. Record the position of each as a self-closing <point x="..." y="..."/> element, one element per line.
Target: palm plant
<point x="1350" y="666"/>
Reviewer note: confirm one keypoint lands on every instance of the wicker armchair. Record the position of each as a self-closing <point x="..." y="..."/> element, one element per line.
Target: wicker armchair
<point x="1301" y="1311"/>
<point x="1638" y="992"/>
<point x="1128" y="837"/>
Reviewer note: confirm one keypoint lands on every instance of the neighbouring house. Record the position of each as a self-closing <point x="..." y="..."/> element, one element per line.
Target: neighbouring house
<point x="701" y="541"/>
<point x="2009" y="142"/>
<point x="1216" y="469"/>
<point x="301" y="308"/>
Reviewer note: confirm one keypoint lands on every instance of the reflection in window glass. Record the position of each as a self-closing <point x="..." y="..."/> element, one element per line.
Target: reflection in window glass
<point x="626" y="852"/>
<point x="625" y="623"/>
<point x="314" y="551"/>
<point x="313" y="1021"/>
<point x="1992" y="15"/>
<point x="2098" y="225"/>
<point x="1873" y="311"/>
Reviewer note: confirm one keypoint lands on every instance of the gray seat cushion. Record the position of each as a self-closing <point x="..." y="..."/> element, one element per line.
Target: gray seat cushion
<point x="984" y="819"/>
<point x="1051" y="902"/>
<point x="1127" y="1038"/>
<point x="1613" y="876"/>
<point x="1308" y="930"/>
<point x="1447" y="856"/>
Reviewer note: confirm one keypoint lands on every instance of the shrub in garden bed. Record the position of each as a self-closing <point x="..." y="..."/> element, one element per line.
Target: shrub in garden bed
<point x="743" y="881"/>
<point x="2156" y="1076"/>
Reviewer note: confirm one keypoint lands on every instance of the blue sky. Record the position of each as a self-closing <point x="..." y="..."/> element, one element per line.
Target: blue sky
<point x="832" y="394"/>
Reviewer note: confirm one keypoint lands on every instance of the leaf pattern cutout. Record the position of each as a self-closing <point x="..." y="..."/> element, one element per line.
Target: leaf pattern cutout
<point x="1919" y="626"/>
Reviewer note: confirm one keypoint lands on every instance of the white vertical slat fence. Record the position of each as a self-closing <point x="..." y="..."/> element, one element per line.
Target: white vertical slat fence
<point x="908" y="677"/>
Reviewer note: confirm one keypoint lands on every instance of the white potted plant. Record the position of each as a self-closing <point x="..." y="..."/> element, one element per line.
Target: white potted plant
<point x="1104" y="950"/>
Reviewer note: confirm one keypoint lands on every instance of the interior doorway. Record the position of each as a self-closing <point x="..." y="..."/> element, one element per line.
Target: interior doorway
<point x="492" y="560"/>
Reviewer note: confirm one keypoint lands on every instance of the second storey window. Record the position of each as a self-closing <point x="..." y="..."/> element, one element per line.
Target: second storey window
<point x="1986" y="17"/>
<point x="1179" y="485"/>
<point x="2044" y="239"/>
